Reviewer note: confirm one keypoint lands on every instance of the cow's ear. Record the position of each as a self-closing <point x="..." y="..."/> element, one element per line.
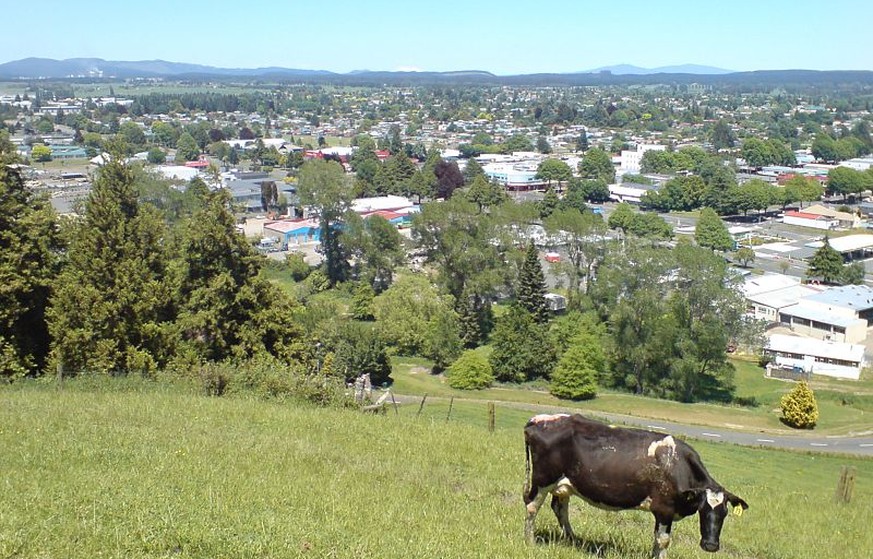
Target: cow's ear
<point x="693" y="497"/>
<point x="736" y="501"/>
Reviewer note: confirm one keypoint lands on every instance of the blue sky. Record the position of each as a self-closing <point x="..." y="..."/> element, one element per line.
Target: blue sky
<point x="504" y="37"/>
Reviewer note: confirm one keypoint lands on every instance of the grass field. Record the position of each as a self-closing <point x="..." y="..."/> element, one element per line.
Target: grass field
<point x="134" y="469"/>
<point x="845" y="407"/>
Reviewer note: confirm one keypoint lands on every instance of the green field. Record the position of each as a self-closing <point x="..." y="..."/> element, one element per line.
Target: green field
<point x="129" y="468"/>
<point x="845" y="407"/>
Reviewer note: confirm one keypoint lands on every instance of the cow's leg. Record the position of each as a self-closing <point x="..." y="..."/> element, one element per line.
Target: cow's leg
<point x="662" y="539"/>
<point x="533" y="504"/>
<point x="561" y="507"/>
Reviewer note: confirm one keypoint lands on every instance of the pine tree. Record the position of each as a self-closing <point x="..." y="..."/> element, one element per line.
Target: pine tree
<point x="29" y="246"/>
<point x="575" y="376"/>
<point x="472" y="170"/>
<point x="799" y="408"/>
<point x="112" y="305"/>
<point x="532" y="286"/>
<point x="711" y="232"/>
<point x="826" y="263"/>
<point x="522" y="348"/>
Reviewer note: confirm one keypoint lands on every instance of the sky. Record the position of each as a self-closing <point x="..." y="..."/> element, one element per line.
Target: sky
<point x="500" y="36"/>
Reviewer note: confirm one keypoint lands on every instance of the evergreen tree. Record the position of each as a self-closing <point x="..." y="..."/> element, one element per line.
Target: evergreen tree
<point x="470" y="371"/>
<point x="362" y="301"/>
<point x="575" y="376"/>
<point x="826" y="263"/>
<point x="549" y="203"/>
<point x="582" y="142"/>
<point x="473" y="170"/>
<point x="522" y="348"/>
<point x="486" y="194"/>
<point x="799" y="408"/>
<point x="29" y="262"/>
<point x="226" y="308"/>
<point x="532" y="286"/>
<point x="112" y="306"/>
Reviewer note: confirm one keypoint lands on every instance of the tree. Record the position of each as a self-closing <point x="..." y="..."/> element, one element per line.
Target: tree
<point x="472" y="170"/>
<point x="722" y="137"/>
<point x="323" y="187"/>
<point x="582" y="142"/>
<point x="411" y="313"/>
<point x="186" y="148"/>
<point x="799" y="408"/>
<point x="711" y="231"/>
<point x="575" y="376"/>
<point x="584" y="233"/>
<point x="801" y="189"/>
<point x="41" y="153"/>
<point x="485" y="193"/>
<point x="826" y="263"/>
<point x="377" y="248"/>
<point x="117" y="271"/>
<point x="30" y="247"/>
<point x="360" y="350"/>
<point x="621" y="217"/>
<point x="532" y="286"/>
<point x="449" y="178"/>
<point x="470" y="371"/>
<point x="745" y="255"/>
<point x="853" y="274"/>
<point x="549" y="203"/>
<point x="226" y="308"/>
<point x="522" y="349"/>
<point x="597" y="164"/>
<point x="517" y="142"/>
<point x="156" y="156"/>
<point x="846" y="181"/>
<point x="554" y="170"/>
<point x="362" y="302"/>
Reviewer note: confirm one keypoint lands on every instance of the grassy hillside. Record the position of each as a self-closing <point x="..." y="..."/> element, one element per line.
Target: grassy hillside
<point x="140" y="470"/>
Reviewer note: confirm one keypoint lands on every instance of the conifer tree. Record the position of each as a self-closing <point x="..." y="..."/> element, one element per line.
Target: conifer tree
<point x="472" y="170"/>
<point x="29" y="262"/>
<point x="111" y="305"/>
<point x="799" y="408"/>
<point x="532" y="286"/>
<point x="826" y="263"/>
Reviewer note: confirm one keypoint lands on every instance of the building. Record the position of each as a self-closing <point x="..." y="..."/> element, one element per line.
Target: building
<point x="806" y="219"/>
<point x="828" y="358"/>
<point x="840" y="314"/>
<point x="852" y="247"/>
<point x="769" y="294"/>
<point x="844" y="219"/>
<point x="514" y="176"/>
<point x="293" y="231"/>
<point x="631" y="160"/>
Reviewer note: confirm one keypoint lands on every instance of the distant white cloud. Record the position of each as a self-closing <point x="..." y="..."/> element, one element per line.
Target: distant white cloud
<point x="408" y="69"/>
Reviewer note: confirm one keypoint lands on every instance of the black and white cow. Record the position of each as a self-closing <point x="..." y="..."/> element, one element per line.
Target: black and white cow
<point x="614" y="468"/>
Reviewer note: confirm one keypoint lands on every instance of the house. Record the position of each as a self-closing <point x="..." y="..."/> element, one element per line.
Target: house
<point x="293" y="231"/>
<point x="844" y="219"/>
<point x="806" y="219"/>
<point x="768" y="295"/>
<point x="631" y="160"/>
<point x="828" y="358"/>
<point x="839" y="314"/>
<point x="556" y="302"/>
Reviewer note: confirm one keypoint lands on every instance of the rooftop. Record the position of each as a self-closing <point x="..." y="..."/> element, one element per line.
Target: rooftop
<point x="817" y="348"/>
<point x="857" y="297"/>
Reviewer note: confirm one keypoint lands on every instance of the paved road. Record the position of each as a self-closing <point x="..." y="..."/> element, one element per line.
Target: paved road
<point x="858" y="445"/>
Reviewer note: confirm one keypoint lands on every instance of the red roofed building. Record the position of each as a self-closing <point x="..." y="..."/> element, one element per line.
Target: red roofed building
<point x="806" y="219"/>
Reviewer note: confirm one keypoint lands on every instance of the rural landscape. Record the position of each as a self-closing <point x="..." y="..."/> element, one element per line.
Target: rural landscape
<point x="275" y="312"/>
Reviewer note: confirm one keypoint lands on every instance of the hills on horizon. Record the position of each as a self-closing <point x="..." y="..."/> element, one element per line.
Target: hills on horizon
<point x="98" y="68"/>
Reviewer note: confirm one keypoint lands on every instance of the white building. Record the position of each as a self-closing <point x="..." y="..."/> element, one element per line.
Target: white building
<point x="631" y="160"/>
<point x="832" y="359"/>
<point x="768" y="295"/>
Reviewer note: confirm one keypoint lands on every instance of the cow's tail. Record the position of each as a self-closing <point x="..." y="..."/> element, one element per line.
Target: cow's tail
<point x="528" y="480"/>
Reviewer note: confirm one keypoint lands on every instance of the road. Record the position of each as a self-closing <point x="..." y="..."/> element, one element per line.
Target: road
<point x="861" y="445"/>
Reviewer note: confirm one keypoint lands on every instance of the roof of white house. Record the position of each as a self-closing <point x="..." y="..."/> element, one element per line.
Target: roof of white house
<point x="855" y="297"/>
<point x="849" y="243"/>
<point x="785" y="297"/>
<point x="755" y="285"/>
<point x="817" y="348"/>
<point x="818" y="209"/>
<point x="179" y="172"/>
<point x="291" y="225"/>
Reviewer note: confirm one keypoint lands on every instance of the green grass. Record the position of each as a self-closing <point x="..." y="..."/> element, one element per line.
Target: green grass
<point x="134" y="469"/>
<point x="845" y="407"/>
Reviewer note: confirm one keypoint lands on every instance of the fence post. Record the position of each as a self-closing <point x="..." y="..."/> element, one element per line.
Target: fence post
<point x="491" y="417"/>
<point x="393" y="401"/>
<point x="846" y="485"/>
<point x="421" y="406"/>
<point x="449" y="415"/>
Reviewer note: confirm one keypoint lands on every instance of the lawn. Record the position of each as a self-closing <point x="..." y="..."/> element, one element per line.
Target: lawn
<point x="845" y="407"/>
<point x="135" y="469"/>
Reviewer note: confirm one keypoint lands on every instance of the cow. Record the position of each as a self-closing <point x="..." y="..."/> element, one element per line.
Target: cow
<point x="615" y="469"/>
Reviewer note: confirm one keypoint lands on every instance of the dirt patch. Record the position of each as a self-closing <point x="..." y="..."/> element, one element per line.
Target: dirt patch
<point x="419" y="370"/>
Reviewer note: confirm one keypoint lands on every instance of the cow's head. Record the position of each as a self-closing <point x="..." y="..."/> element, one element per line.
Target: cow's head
<point x="712" y="506"/>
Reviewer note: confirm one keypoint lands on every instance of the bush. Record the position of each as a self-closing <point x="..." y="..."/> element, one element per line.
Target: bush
<point x="799" y="408"/>
<point x="574" y="378"/>
<point x="470" y="371"/>
<point x="297" y="266"/>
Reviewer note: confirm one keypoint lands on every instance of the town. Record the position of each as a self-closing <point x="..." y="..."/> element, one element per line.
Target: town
<point x="788" y="172"/>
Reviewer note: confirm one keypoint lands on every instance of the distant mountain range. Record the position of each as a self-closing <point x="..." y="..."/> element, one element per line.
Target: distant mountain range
<point x="625" y="69"/>
<point x="97" y="68"/>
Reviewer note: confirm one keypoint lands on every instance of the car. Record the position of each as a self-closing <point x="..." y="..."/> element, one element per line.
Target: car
<point x="553" y="257"/>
